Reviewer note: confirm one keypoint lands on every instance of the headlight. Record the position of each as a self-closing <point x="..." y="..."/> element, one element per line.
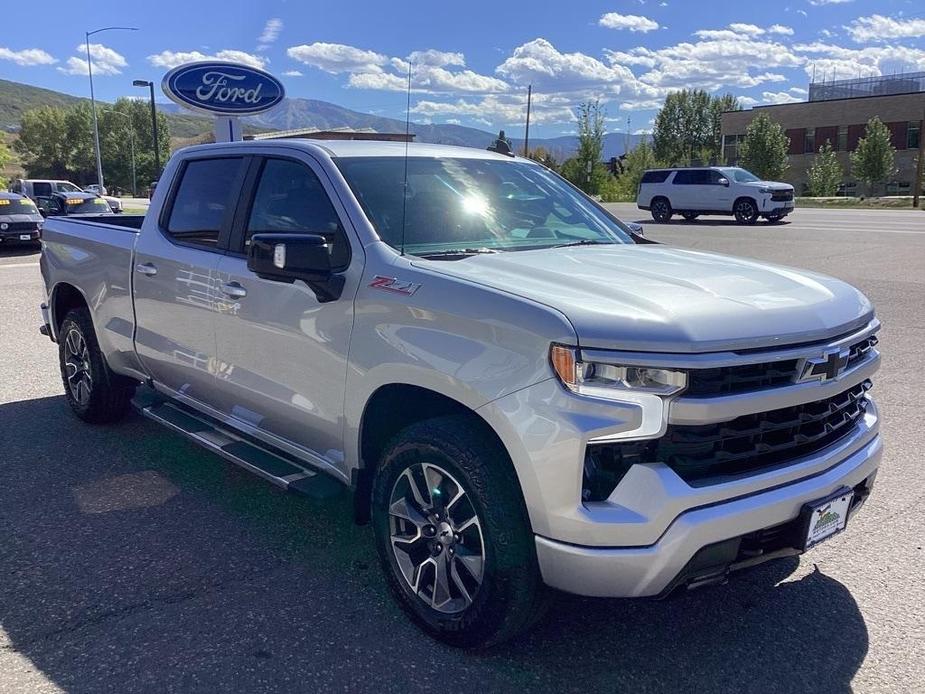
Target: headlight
<point x="612" y="381"/>
<point x="765" y="191"/>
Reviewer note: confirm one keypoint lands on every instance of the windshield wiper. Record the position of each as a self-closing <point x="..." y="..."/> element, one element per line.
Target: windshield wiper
<point x="458" y="252"/>
<point x="584" y="242"/>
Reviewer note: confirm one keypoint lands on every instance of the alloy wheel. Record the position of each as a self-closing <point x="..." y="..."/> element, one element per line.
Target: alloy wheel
<point x="77" y="367"/>
<point x="436" y="537"/>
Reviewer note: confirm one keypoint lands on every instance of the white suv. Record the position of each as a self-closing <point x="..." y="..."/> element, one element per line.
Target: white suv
<point x="692" y="192"/>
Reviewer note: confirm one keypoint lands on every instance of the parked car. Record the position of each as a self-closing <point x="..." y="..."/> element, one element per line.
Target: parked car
<point x="723" y="190"/>
<point x="513" y="388"/>
<point x="20" y="221"/>
<point x="44" y="188"/>
<point x="81" y="203"/>
<point x="96" y="188"/>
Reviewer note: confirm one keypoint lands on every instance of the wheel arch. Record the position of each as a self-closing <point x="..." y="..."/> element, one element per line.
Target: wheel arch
<point x="65" y="297"/>
<point x="391" y="408"/>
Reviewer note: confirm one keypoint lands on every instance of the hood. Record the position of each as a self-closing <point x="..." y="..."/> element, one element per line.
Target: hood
<point x="15" y="218"/>
<point x="773" y="185"/>
<point x="657" y="298"/>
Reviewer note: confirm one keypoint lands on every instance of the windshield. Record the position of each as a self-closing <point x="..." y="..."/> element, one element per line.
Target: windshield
<point x="24" y="206"/>
<point x="474" y="204"/>
<point x="86" y="206"/>
<point x="742" y="176"/>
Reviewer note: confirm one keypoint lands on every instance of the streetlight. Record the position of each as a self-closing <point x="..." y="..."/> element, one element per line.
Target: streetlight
<point x="157" y="151"/>
<point x="131" y="141"/>
<point x="96" y="127"/>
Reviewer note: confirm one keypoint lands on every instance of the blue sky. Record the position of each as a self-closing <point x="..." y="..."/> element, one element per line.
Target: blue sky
<point x="473" y="60"/>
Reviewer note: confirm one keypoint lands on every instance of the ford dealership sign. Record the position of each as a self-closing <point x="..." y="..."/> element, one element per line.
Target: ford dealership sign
<point x="222" y="88"/>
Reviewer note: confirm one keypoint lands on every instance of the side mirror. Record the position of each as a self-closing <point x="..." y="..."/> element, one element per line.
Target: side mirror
<point x="43" y="211"/>
<point x="724" y="182"/>
<point x="635" y="228"/>
<point x="291" y="257"/>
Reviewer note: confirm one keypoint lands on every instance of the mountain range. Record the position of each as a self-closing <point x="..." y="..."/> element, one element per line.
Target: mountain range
<point x="299" y="113"/>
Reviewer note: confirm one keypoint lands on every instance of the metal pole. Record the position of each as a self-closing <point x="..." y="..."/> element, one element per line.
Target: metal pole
<point x="131" y="140"/>
<point x="157" y="150"/>
<point x="527" y="130"/>
<point x="96" y="127"/>
<point x="919" y="183"/>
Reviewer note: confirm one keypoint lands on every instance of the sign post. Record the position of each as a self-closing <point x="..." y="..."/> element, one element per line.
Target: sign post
<point x="224" y="90"/>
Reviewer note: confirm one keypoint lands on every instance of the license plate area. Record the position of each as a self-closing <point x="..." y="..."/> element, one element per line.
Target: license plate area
<point x="25" y="237"/>
<point x="825" y="518"/>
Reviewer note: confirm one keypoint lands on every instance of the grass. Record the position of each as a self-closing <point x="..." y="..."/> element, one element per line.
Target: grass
<point x="885" y="203"/>
<point x="134" y="210"/>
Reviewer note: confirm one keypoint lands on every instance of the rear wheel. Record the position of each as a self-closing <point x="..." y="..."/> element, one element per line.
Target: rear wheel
<point x="92" y="390"/>
<point x="689" y="216"/>
<point x="661" y="210"/>
<point x="453" y="536"/>
<point x="746" y="212"/>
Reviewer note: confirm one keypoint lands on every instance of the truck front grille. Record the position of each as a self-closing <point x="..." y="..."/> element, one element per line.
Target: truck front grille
<point x="704" y="453"/>
<point x="782" y="195"/>
<point x="21" y="226"/>
<point x="744" y="378"/>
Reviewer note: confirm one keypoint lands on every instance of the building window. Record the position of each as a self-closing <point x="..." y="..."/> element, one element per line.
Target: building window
<point x="809" y="141"/>
<point x="913" y="133"/>
<point x="730" y="149"/>
<point x="842" y="143"/>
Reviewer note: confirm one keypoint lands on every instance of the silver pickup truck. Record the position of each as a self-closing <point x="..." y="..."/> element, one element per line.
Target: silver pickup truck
<point x="518" y="391"/>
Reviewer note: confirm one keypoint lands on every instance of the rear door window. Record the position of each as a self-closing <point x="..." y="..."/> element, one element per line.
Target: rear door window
<point x="42" y="189"/>
<point x="203" y="201"/>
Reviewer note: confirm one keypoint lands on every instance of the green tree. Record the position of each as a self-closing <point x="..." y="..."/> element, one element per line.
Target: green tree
<point x="585" y="169"/>
<point x="123" y="124"/>
<point x="872" y="160"/>
<point x="689" y="126"/>
<point x="635" y="163"/>
<point x="544" y="157"/>
<point x="764" y="149"/>
<point x="42" y="143"/>
<point x="6" y="155"/>
<point x="826" y="173"/>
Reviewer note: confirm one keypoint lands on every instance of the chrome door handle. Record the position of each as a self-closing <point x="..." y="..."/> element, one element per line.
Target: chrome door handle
<point x="146" y="269"/>
<point x="234" y="290"/>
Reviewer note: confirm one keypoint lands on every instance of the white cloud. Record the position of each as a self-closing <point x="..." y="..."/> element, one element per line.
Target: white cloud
<point x="799" y="91"/>
<point x="499" y="109"/>
<point x="453" y="121"/>
<point x="105" y="61"/>
<point x="170" y="59"/>
<point x="269" y="34"/>
<point x="779" y="98"/>
<point x="818" y="3"/>
<point x="880" y="28"/>
<point x="27" y="57"/>
<point x="538" y="62"/>
<point x="336" y="58"/>
<point x="829" y="61"/>
<point x="747" y="101"/>
<point x="292" y="73"/>
<point x="629" y="22"/>
<point x="780" y="29"/>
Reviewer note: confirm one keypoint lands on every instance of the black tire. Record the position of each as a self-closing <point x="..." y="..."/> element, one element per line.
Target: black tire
<point x="511" y="594"/>
<point x="661" y="210"/>
<point x="690" y="216"/>
<point x="773" y="218"/>
<point x="746" y="211"/>
<point x="93" y="391"/>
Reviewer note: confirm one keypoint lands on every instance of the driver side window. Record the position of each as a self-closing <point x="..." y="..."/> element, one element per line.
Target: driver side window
<point x="291" y="199"/>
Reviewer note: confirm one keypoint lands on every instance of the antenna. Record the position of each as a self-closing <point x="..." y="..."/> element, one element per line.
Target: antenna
<point x="527" y="130"/>
<point x="404" y="187"/>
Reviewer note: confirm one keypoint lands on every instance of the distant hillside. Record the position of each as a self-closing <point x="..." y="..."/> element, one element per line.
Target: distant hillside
<point x="297" y="113"/>
<point x="17" y="98"/>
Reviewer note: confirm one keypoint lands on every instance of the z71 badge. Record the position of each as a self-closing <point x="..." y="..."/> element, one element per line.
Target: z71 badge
<point x="393" y="284"/>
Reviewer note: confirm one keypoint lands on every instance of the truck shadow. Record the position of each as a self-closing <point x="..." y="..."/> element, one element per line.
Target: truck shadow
<point x="134" y="561"/>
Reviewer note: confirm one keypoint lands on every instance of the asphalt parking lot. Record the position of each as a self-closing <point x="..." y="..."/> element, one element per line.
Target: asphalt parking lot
<point x="133" y="561"/>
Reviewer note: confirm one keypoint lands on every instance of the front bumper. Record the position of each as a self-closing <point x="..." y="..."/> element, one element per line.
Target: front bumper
<point x="20" y="236"/>
<point x="654" y="569"/>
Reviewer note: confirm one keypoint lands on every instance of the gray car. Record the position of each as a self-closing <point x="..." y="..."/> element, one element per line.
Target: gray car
<point x="517" y="391"/>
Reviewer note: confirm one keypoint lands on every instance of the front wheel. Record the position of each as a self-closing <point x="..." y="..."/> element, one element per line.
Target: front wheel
<point x="661" y="210"/>
<point x="453" y="535"/>
<point x="93" y="391"/>
<point x="745" y="211"/>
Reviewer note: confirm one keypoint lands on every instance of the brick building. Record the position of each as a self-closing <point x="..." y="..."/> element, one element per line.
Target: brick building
<point x="838" y="112"/>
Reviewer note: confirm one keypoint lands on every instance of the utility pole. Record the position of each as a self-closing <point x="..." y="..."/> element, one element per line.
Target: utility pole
<point x="157" y="150"/>
<point x="96" y="127"/>
<point x="527" y="130"/>
<point x="919" y="183"/>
